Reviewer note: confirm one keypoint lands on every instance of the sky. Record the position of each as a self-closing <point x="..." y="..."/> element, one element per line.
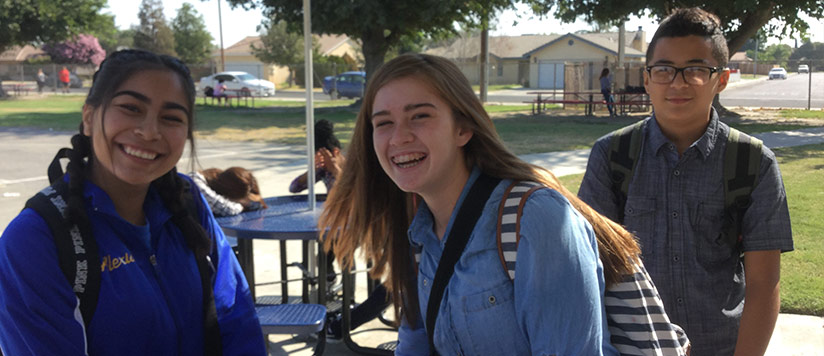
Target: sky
<point x="238" y="23"/>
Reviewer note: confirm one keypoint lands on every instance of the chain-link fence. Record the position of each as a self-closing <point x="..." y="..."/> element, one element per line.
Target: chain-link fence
<point x="25" y="75"/>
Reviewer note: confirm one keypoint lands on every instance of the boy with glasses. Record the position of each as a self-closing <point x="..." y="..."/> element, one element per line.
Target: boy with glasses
<point x="675" y="198"/>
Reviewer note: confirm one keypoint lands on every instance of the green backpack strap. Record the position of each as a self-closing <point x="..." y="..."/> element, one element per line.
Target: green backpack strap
<point x="624" y="148"/>
<point x="742" y="163"/>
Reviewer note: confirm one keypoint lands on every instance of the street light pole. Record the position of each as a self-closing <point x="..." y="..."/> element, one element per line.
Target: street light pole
<point x="220" y="25"/>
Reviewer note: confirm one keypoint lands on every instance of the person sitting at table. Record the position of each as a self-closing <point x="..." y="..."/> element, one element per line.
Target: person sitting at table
<point x="328" y="163"/>
<point x="164" y="277"/>
<point x="229" y="192"/>
<point x="328" y="158"/>
<point x="220" y="93"/>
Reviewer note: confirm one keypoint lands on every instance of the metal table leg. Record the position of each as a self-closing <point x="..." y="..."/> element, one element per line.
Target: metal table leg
<point x="246" y="258"/>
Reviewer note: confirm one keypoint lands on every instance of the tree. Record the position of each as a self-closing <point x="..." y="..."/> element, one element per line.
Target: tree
<point x="379" y="25"/>
<point x="153" y="34"/>
<point x="193" y="43"/>
<point x="811" y="51"/>
<point x="83" y="49"/>
<point x="741" y="19"/>
<point x="43" y="21"/>
<point x="279" y="46"/>
<point x="106" y="32"/>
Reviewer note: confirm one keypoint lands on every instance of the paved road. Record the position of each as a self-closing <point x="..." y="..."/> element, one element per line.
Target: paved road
<point x="789" y="93"/>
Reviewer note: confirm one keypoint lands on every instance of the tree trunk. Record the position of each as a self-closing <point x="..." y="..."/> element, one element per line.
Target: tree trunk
<point x="2" y="92"/>
<point x="749" y="27"/>
<point x="375" y="45"/>
<point x="484" y="56"/>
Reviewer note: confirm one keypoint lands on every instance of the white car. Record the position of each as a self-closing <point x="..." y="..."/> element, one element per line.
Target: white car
<point x="238" y="83"/>
<point x="777" y="73"/>
<point x="803" y="68"/>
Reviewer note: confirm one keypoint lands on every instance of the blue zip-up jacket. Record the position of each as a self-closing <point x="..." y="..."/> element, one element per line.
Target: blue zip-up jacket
<point x="554" y="306"/>
<point x="142" y="309"/>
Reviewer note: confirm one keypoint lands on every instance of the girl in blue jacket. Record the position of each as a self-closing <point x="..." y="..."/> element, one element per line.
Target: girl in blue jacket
<point x="422" y="130"/>
<point x="123" y="185"/>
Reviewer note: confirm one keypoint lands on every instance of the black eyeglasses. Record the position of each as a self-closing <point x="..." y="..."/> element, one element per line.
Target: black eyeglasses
<point x="695" y="75"/>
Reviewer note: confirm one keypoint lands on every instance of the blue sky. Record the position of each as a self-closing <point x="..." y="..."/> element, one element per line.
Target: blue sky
<point x="237" y="23"/>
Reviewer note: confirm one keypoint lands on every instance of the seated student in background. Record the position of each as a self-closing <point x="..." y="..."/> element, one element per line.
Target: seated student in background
<point x="220" y="93"/>
<point x="328" y="158"/>
<point x="724" y="294"/>
<point x="164" y="278"/>
<point x="229" y="192"/>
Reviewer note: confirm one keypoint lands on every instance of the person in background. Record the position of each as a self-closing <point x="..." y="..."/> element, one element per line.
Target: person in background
<point x="65" y="79"/>
<point x="41" y="80"/>
<point x="220" y="93"/>
<point x="606" y="90"/>
<point x="725" y="296"/>
<point x="328" y="158"/>
<point x="229" y="192"/>
<point x="167" y="271"/>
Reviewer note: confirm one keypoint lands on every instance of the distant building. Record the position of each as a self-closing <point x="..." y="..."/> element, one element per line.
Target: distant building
<point x="12" y="57"/>
<point x="540" y="61"/>
<point x="239" y="56"/>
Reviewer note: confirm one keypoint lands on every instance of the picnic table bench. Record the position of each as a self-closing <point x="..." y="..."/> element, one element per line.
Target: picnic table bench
<point x="231" y="94"/>
<point x="18" y="89"/>
<point x="625" y="104"/>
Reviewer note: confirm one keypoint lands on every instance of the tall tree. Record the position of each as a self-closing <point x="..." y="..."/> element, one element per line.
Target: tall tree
<point x="41" y="21"/>
<point x="280" y="46"/>
<point x="193" y="43"/>
<point x="106" y="32"/>
<point x="153" y="33"/>
<point x="379" y="25"/>
<point x="83" y="49"/>
<point x="741" y="19"/>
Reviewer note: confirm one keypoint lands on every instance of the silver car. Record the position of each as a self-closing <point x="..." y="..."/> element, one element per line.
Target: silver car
<point x="778" y="73"/>
<point x="237" y="83"/>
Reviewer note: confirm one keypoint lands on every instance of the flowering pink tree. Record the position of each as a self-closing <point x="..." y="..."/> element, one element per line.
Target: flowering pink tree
<point x="83" y="49"/>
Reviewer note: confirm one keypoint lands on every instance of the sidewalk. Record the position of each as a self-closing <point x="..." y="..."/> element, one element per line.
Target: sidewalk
<point x="794" y="335"/>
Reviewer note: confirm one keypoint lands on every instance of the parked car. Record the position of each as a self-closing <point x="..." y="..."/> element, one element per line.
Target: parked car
<point x="74" y="81"/>
<point x="803" y="68"/>
<point x="240" y="83"/>
<point x="346" y="84"/>
<point x="777" y="73"/>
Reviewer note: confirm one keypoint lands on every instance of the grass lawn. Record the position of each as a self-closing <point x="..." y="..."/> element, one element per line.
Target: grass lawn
<point x="804" y="114"/>
<point x="802" y="270"/>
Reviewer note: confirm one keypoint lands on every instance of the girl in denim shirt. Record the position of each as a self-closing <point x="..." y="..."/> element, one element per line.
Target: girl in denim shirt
<point x="423" y="138"/>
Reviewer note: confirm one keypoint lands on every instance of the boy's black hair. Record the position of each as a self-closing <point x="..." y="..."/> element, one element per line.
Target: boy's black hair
<point x="325" y="135"/>
<point x="693" y="22"/>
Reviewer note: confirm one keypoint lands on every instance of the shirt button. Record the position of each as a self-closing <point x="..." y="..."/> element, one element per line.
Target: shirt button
<point x="676" y="258"/>
<point x="671" y="147"/>
<point x="425" y="282"/>
<point x="676" y="173"/>
<point x="675" y="215"/>
<point x="491" y="299"/>
<point x="680" y="300"/>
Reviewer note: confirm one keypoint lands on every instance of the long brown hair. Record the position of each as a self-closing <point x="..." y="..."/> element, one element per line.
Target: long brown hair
<point x="366" y="210"/>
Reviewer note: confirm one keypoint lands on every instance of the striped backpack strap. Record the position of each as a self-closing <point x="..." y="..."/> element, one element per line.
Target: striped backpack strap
<point x="637" y="322"/>
<point x="509" y="222"/>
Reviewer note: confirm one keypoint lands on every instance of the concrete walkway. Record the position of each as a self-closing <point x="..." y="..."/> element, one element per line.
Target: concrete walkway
<point x="794" y="335"/>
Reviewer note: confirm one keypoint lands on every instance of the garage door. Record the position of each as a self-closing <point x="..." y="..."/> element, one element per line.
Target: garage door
<point x="255" y="69"/>
<point x="551" y="75"/>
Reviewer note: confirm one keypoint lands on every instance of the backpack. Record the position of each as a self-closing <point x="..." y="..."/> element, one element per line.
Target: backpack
<point x="635" y="313"/>
<point x="742" y="163"/>
<point x="78" y="255"/>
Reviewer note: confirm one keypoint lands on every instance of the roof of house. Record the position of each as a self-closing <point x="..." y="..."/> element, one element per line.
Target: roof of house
<point x="740" y="56"/>
<point x="512" y="47"/>
<point x="327" y="43"/>
<point x="19" y="54"/>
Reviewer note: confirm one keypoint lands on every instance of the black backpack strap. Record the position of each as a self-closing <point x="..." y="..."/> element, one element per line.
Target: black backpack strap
<point x="624" y="147"/>
<point x="742" y="163"/>
<point x="77" y="252"/>
<point x="468" y="215"/>
<point x="207" y="268"/>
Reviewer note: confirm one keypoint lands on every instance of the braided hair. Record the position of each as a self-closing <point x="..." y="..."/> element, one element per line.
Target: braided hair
<point x="113" y="72"/>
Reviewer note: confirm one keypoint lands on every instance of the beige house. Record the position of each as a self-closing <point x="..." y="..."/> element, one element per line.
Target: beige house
<point x="239" y="56"/>
<point x="540" y="61"/>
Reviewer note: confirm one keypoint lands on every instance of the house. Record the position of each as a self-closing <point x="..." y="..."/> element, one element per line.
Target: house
<point x="13" y="59"/>
<point x="239" y="56"/>
<point x="543" y="61"/>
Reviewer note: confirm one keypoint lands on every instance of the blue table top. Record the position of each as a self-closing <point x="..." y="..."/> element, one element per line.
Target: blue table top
<point x="288" y="217"/>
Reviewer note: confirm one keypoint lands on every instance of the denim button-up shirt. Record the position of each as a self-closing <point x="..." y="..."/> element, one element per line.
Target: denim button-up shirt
<point x="675" y="207"/>
<point x="553" y="307"/>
